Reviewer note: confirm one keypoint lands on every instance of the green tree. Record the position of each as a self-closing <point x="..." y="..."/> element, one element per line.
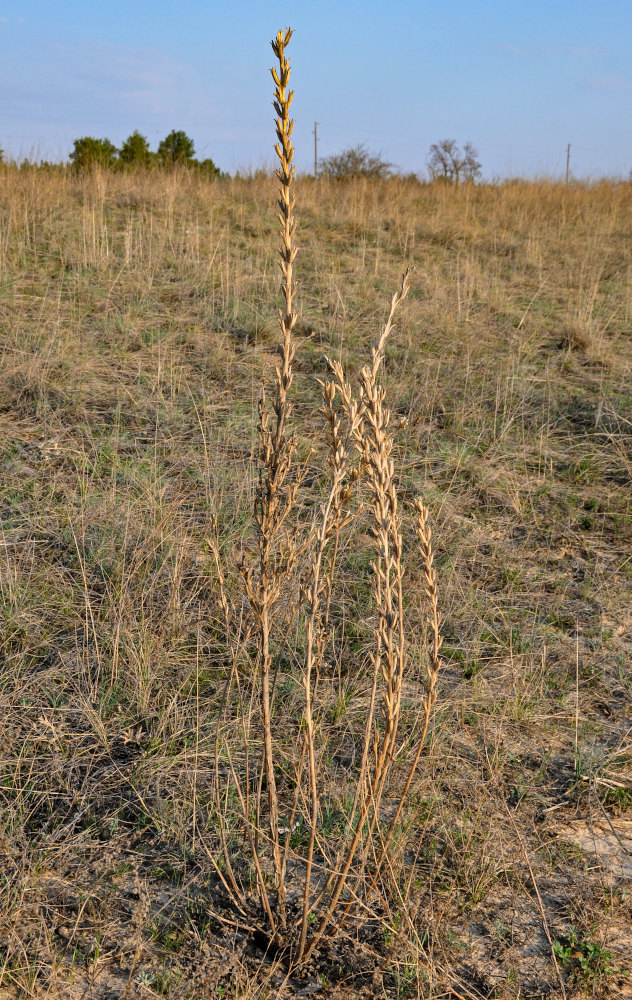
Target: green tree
<point x="89" y="152"/>
<point x="135" y="151"/>
<point x="177" y="147"/>
<point x="356" y="161"/>
<point x="208" y="168"/>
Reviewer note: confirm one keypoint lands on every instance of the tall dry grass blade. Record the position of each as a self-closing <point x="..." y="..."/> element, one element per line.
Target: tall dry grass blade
<point x="276" y="492"/>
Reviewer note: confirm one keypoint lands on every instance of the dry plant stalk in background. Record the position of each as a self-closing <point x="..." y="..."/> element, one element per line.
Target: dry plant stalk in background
<point x="297" y="879"/>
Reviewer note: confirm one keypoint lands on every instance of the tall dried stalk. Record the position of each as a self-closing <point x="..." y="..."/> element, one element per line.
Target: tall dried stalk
<point x="308" y="886"/>
<point x="276" y="493"/>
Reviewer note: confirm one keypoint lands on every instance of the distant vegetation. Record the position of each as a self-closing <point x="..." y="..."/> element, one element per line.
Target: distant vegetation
<point x="448" y="162"/>
<point x="177" y="148"/>
<point x="135" y="151"/>
<point x="89" y="152"/>
<point x="356" y="161"/>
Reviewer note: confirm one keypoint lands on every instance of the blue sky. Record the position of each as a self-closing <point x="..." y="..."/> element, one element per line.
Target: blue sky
<point x="518" y="78"/>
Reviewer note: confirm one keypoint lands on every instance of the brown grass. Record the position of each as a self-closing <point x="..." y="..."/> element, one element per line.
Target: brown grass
<point x="137" y="321"/>
<point x="310" y="879"/>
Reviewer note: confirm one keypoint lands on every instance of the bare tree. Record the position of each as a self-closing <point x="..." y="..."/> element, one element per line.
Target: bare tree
<point x="446" y="160"/>
<point x="356" y="161"/>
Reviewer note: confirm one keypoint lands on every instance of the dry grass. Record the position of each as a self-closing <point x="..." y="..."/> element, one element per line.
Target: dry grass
<point x="293" y="877"/>
<point x="138" y="318"/>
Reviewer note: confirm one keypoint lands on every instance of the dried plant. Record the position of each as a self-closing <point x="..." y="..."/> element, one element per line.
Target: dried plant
<point x="273" y="772"/>
<point x="276" y="492"/>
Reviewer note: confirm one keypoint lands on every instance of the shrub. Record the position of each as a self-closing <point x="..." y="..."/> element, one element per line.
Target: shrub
<point x="208" y="168"/>
<point x="355" y="162"/>
<point x="89" y="153"/>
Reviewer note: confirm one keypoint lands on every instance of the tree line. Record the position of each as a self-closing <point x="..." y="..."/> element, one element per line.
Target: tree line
<point x="447" y="161"/>
<point x="177" y="148"/>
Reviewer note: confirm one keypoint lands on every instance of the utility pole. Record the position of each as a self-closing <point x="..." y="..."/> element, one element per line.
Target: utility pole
<point x="568" y="161"/>
<point x="316" y="150"/>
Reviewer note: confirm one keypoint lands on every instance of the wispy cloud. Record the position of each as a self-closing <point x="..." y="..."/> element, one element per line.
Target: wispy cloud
<point x="580" y="53"/>
<point x="610" y="81"/>
<point x="117" y="76"/>
<point x="68" y="89"/>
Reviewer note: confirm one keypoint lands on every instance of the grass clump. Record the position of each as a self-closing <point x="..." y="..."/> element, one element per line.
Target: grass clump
<point x="279" y="780"/>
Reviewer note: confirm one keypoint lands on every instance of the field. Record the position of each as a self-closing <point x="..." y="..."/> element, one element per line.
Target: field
<point x="138" y="318"/>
